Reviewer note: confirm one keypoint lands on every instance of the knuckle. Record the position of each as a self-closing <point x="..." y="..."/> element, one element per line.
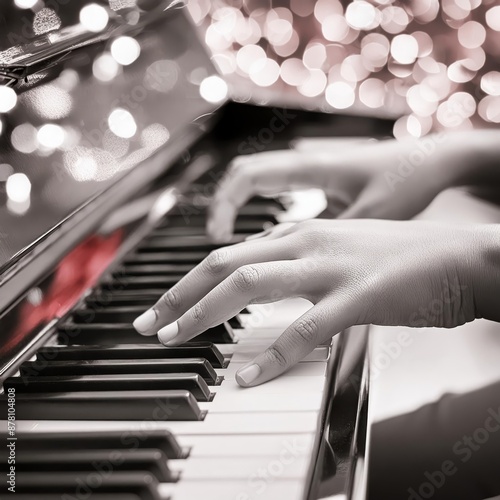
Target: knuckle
<point x="307" y="329"/>
<point x="199" y="314"/>
<point x="246" y="278"/>
<point x="275" y="356"/>
<point x="216" y="262"/>
<point x="171" y="299"/>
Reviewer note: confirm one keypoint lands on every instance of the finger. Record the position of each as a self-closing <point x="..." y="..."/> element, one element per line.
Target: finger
<point x="205" y="276"/>
<point x="265" y="282"/>
<point x="268" y="174"/>
<point x="317" y="325"/>
<point x="272" y="232"/>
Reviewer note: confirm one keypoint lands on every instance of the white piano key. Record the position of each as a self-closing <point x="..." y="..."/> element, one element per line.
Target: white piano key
<point x="286" y="402"/>
<point x="286" y="464"/>
<point x="251" y="445"/>
<point x="304" y="369"/>
<point x="217" y="423"/>
<point x="319" y="354"/>
<point x="272" y="488"/>
<point x="279" y="385"/>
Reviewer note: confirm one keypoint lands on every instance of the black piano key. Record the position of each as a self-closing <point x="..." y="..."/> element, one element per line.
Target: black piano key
<point x="104" y="298"/>
<point x="141" y="484"/>
<point x="180" y="244"/>
<point x="140" y="282"/>
<point x="107" y="314"/>
<point x="235" y="322"/>
<point x="158" y="439"/>
<point x="205" y="350"/>
<point x="199" y="220"/>
<point x="102" y="334"/>
<point x="118" y="366"/>
<point x="108" y="334"/>
<point x="145" y="460"/>
<point x="153" y="269"/>
<point x="260" y="208"/>
<point x="106" y="405"/>
<point x="240" y="227"/>
<point x="170" y="257"/>
<point x="191" y="382"/>
<point x="104" y="295"/>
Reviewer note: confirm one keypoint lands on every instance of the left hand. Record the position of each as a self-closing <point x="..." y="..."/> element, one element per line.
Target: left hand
<point x="353" y="271"/>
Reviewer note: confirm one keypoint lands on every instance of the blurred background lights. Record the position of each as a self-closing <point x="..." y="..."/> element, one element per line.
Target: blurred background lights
<point x="94" y="17"/>
<point x="154" y="136"/>
<point x="105" y="67"/>
<point x="8" y="99"/>
<point x="248" y="55"/>
<point x="404" y="49"/>
<point x="362" y="15"/>
<point x="340" y="95"/>
<point x="122" y="123"/>
<point x="18" y="188"/>
<point x="314" y="84"/>
<point x="24" y="138"/>
<point x="50" y="101"/>
<point x="493" y="18"/>
<point x="125" y="50"/>
<point x="490" y="83"/>
<point x="51" y="136"/>
<point x="84" y="169"/>
<point x="213" y="89"/>
<point x="264" y="72"/>
<point x="471" y="34"/>
<point x="25" y="4"/>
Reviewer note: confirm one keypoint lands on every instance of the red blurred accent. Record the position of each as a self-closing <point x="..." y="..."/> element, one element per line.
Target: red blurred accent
<point x="77" y="271"/>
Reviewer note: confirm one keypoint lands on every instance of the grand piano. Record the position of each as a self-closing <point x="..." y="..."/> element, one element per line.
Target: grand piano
<point x="108" y="159"/>
<point x="115" y="129"/>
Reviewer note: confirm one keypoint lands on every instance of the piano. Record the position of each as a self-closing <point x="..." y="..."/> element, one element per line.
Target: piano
<point x="110" y="151"/>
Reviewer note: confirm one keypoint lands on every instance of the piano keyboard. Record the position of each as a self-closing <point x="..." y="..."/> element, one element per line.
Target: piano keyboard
<point x="104" y="411"/>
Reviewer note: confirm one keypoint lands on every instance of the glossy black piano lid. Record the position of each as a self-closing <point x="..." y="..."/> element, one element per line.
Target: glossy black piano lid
<point x="81" y="124"/>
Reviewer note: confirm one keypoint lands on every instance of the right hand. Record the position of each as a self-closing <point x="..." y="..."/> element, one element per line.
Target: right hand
<point x="361" y="180"/>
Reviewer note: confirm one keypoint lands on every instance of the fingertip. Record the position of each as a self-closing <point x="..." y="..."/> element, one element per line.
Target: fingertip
<point x="167" y="334"/>
<point x="248" y="375"/>
<point x="145" y="322"/>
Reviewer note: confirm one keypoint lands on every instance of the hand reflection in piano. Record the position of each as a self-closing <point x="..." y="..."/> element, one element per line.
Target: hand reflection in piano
<point x="354" y="272"/>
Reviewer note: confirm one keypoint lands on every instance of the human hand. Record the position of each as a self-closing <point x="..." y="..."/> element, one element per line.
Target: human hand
<point x="360" y="179"/>
<point x="354" y="272"/>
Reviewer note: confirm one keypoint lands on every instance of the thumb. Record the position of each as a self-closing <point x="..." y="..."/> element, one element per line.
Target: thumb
<point x="313" y="328"/>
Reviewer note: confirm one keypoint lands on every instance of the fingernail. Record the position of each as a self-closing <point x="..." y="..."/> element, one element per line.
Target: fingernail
<point x="145" y="321"/>
<point x="248" y="374"/>
<point x="167" y="333"/>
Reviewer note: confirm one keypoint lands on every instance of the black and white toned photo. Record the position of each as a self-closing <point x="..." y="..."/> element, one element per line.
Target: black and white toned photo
<point x="250" y="249"/>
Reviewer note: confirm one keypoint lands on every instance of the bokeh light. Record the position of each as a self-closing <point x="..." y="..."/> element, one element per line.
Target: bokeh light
<point x="122" y="123"/>
<point x="213" y="89"/>
<point x="125" y="50"/>
<point x="18" y="188"/>
<point x="94" y="17"/>
<point x="8" y="99"/>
